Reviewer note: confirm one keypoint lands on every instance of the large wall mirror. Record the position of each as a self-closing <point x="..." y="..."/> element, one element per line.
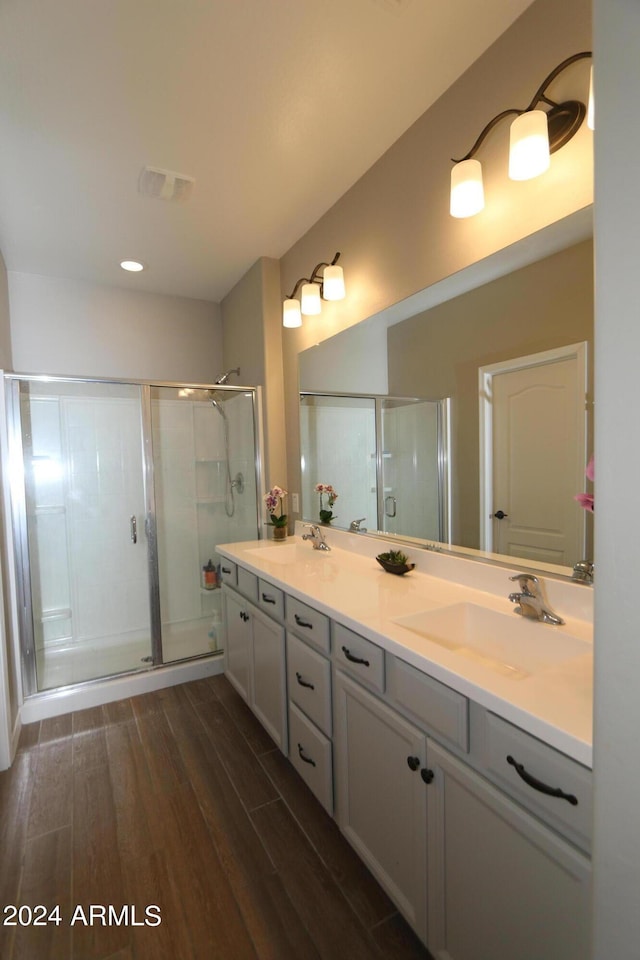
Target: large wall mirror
<point x="510" y="342"/>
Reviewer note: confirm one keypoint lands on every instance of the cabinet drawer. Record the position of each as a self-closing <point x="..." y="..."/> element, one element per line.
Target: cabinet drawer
<point x="359" y="657"/>
<point x="271" y="599"/>
<point x="308" y="623"/>
<point x="309" y="682"/>
<point x="310" y="754"/>
<point x="538" y="766"/>
<point x="229" y="572"/>
<point x="248" y="584"/>
<point x="442" y="710"/>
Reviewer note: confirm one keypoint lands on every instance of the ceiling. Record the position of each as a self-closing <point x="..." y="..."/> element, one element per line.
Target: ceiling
<point x="274" y="107"/>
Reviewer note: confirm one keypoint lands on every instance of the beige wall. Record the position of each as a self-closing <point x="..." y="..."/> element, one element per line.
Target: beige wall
<point x="5" y="323"/>
<point x="393" y="227"/>
<point x="437" y="353"/>
<point x="68" y="327"/>
<point x="252" y="340"/>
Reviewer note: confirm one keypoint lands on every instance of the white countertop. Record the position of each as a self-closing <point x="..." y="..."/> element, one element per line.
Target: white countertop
<point x="348" y="585"/>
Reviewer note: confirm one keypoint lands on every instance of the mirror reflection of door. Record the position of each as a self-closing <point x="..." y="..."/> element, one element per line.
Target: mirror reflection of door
<point x="533" y="455"/>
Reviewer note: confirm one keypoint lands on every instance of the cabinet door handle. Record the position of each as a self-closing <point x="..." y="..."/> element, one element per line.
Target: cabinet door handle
<point x="353" y="659"/>
<point x="266" y="598"/>
<point x="302" y="623"/>
<point x="134" y="528"/>
<point x="414" y="762"/>
<point x="302" y="756"/>
<point x="427" y="775"/>
<point x="244" y="616"/>
<point x="540" y="786"/>
<point x="225" y="569"/>
<point x="303" y="683"/>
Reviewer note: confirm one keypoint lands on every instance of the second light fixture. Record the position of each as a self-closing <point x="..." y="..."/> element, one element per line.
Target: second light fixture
<point x="535" y="134"/>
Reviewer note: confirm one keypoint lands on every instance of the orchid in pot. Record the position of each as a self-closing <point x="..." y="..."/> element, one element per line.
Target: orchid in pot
<point x="274" y="499"/>
<point x="326" y="515"/>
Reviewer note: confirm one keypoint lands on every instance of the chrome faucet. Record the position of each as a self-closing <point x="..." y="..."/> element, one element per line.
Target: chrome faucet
<point x="316" y="536"/>
<point x="354" y="526"/>
<point x="583" y="571"/>
<point x="531" y="601"/>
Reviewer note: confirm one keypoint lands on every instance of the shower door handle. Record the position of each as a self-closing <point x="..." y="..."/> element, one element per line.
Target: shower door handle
<point x="390" y="506"/>
<point x="134" y="529"/>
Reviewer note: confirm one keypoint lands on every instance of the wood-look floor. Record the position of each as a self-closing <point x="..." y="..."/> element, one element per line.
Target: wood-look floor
<point x="180" y="799"/>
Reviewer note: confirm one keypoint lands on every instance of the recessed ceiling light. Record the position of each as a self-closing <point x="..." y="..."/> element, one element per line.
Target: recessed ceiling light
<point x="134" y="266"/>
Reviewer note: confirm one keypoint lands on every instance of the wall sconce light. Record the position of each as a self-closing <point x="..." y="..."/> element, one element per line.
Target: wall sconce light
<point x="535" y="134"/>
<point x="328" y="286"/>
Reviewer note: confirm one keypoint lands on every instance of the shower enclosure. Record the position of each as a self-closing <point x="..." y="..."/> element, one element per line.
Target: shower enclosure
<point x="386" y="456"/>
<point x="120" y="493"/>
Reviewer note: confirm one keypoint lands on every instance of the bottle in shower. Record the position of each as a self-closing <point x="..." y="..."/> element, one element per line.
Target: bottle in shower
<point x="209" y="576"/>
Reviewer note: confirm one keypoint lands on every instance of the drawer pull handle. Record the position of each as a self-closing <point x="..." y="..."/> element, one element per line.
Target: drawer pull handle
<point x="266" y="598"/>
<point x="302" y="623"/>
<point x="225" y="569"/>
<point x="427" y="775"/>
<point x="353" y="659"/>
<point x="303" y="683"/>
<point x="302" y="756"/>
<point x="540" y="786"/>
<point x="414" y="762"/>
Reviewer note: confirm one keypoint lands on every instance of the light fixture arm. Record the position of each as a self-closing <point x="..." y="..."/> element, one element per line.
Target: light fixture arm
<point x="540" y="92"/>
<point x="314" y="278"/>
<point x="539" y="96"/>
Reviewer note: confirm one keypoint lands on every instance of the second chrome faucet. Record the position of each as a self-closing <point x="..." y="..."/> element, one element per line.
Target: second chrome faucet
<point x="531" y="601"/>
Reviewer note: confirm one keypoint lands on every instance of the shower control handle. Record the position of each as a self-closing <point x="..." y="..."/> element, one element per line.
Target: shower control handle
<point x="134" y="529"/>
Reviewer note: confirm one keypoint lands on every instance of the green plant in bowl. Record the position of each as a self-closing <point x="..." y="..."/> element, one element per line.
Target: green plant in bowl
<point x="395" y="561"/>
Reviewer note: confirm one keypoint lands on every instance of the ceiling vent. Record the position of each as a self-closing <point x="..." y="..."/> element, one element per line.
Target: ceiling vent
<point x="165" y="184"/>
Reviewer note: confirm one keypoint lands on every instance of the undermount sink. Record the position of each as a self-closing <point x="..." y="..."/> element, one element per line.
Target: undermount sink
<point x="506" y="643"/>
<point x="283" y="553"/>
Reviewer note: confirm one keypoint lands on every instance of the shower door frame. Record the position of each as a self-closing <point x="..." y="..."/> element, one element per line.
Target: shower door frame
<point x="21" y="598"/>
<point x="443" y="453"/>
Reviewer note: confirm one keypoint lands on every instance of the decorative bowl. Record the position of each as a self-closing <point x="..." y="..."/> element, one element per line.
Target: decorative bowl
<point x="397" y="568"/>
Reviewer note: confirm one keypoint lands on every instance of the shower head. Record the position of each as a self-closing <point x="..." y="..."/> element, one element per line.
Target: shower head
<point x="225" y="376"/>
<point x="216" y="404"/>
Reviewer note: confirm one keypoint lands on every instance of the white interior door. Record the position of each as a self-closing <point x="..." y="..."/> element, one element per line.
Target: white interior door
<point x="534" y="455"/>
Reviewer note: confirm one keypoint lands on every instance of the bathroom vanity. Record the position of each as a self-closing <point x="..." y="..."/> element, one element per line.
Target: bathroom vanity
<point x="449" y="737"/>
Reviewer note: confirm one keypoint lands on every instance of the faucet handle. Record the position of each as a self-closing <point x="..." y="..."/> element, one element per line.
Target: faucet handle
<point x="524" y="579"/>
<point x="354" y="526"/>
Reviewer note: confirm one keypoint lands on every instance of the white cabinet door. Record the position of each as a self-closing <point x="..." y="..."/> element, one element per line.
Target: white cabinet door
<point x="381" y="797"/>
<point x="237" y="642"/>
<point x="501" y="885"/>
<point x="268" y="687"/>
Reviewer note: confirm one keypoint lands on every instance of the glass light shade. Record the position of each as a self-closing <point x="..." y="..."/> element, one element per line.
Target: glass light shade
<point x="333" y="283"/>
<point x="310" y="299"/>
<point x="291" y="316"/>
<point x="590" y="106"/>
<point x="467" y="192"/>
<point x="529" y="146"/>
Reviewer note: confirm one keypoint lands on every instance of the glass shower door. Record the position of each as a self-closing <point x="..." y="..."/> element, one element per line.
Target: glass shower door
<point x="411" y="495"/>
<point x="204" y="474"/>
<point x="86" y="559"/>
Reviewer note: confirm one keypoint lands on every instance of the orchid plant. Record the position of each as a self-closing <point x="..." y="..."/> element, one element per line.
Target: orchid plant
<point x="273" y="499"/>
<point x="586" y="499"/>
<point x="326" y="516"/>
